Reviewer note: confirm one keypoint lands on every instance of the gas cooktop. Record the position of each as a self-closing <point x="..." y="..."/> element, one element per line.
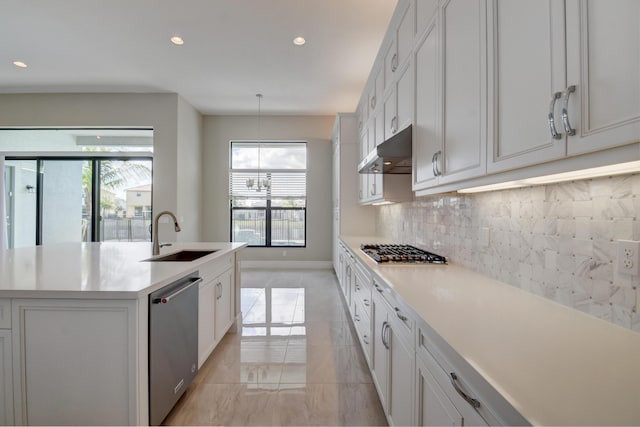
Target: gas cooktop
<point x="400" y="254"/>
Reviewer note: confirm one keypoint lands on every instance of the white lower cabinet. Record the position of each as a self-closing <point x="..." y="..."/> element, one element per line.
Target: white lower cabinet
<point x="224" y="304"/>
<point x="77" y="362"/>
<point x="6" y="379"/>
<point x="393" y="363"/>
<point x="215" y="306"/>
<point x="206" y="320"/>
<point x="433" y="406"/>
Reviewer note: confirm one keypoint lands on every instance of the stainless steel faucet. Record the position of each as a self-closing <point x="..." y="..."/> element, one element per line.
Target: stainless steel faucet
<point x="156" y="242"/>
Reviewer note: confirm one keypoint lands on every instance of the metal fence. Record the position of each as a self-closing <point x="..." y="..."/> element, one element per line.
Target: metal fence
<point x="125" y="229"/>
<point x="284" y="232"/>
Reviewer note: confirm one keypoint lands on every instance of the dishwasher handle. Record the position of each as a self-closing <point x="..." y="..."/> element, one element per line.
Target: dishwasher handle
<point x="166" y="299"/>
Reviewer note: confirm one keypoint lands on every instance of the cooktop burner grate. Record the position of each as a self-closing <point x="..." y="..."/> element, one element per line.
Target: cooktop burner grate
<point x="385" y="253"/>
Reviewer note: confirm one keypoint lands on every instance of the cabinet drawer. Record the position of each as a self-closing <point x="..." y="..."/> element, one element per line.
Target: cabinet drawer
<point x="5" y="314"/>
<point x="403" y="318"/>
<point x="214" y="268"/>
<point x="493" y="409"/>
<point x="362" y="322"/>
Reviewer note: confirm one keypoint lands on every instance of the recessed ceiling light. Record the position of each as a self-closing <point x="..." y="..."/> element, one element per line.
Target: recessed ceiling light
<point x="299" y="41"/>
<point x="19" y="64"/>
<point x="177" y="40"/>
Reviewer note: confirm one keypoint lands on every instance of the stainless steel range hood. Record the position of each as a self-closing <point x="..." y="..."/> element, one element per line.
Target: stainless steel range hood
<point x="393" y="156"/>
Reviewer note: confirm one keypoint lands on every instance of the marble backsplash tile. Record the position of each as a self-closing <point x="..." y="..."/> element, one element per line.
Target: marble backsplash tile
<point x="556" y="241"/>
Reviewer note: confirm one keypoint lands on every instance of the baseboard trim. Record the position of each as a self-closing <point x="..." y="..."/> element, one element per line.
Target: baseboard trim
<point x="293" y="265"/>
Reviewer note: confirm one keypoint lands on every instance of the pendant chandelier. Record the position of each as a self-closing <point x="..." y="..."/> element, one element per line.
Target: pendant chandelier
<point x="258" y="183"/>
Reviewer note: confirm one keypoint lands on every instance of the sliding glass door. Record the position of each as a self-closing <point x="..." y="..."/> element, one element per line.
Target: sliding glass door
<point x="54" y="200"/>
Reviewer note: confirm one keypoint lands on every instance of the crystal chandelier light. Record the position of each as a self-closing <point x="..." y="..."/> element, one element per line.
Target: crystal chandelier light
<point x="258" y="183"/>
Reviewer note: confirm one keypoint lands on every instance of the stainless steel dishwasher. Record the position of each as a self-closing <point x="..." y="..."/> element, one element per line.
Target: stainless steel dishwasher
<point x="173" y="344"/>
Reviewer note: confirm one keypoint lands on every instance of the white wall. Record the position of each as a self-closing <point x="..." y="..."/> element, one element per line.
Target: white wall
<point x="189" y="170"/>
<point x="316" y="130"/>
<point x="158" y="111"/>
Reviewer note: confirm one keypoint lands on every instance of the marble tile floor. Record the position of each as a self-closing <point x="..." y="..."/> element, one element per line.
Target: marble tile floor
<point x="296" y="362"/>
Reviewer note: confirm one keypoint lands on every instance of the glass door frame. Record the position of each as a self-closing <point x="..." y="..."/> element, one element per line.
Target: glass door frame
<point x="95" y="159"/>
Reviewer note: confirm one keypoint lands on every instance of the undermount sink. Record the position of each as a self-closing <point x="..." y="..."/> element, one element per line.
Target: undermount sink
<point x="185" y="255"/>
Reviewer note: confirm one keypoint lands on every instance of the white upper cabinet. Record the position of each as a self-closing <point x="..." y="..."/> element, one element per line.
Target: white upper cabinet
<point x="603" y="62"/>
<point x="450" y="135"/>
<point x="399" y="50"/>
<point x="464" y="71"/>
<point x="427" y="139"/>
<point x="527" y="63"/>
<point x="398" y="105"/>
<point x="425" y="12"/>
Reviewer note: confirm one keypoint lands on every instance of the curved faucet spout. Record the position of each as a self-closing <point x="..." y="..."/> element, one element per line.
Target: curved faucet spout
<point x="156" y="241"/>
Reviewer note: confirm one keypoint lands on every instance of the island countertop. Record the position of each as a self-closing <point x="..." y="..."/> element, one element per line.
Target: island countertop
<point x="107" y="270"/>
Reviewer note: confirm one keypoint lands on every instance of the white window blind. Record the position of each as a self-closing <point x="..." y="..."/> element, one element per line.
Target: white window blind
<point x="281" y="164"/>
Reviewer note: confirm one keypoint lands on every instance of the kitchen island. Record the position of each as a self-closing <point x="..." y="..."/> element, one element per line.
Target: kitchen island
<point x="74" y="327"/>
<point x="537" y="361"/>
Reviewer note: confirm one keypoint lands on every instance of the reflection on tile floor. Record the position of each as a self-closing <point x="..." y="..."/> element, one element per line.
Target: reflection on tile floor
<point x="297" y="361"/>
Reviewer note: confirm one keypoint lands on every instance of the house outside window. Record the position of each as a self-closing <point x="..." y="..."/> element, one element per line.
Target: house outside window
<point x="267" y="193"/>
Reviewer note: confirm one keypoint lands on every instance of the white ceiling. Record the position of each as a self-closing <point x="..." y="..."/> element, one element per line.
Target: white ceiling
<point x="233" y="49"/>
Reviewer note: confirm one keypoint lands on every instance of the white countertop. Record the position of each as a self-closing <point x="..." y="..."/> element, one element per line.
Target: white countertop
<point x="554" y="364"/>
<point x="96" y="270"/>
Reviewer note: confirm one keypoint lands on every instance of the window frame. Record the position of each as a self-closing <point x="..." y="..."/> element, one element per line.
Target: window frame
<point x="268" y="208"/>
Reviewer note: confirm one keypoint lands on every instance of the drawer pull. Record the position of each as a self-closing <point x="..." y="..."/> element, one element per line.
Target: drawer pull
<point x="378" y="288"/>
<point x="356" y="317"/>
<point x="470" y="400"/>
<point x="365" y="339"/>
<point x="365" y="302"/>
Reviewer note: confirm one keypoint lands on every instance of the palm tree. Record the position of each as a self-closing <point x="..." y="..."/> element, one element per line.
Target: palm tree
<point x="114" y="174"/>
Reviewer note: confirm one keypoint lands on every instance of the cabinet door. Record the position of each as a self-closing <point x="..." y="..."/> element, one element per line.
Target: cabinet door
<point x="433" y="406"/>
<point x="380" y="353"/>
<point x="603" y="60"/>
<point x="427" y="139"/>
<point x="6" y="379"/>
<point x="206" y="320"/>
<point x="465" y="83"/>
<point x="401" y="379"/>
<point x="405" y="34"/>
<point x="528" y="67"/>
<point x="405" y="96"/>
<point x="390" y="115"/>
<point x="224" y="303"/>
<point x="425" y="12"/>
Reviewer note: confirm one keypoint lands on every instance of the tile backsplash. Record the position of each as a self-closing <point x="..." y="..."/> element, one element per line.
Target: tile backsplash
<point x="556" y="241"/>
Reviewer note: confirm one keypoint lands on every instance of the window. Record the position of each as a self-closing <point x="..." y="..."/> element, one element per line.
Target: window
<point x="267" y="193"/>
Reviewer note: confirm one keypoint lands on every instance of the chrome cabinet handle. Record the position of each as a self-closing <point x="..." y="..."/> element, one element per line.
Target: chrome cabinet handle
<point x="165" y="300"/>
<point x="378" y="288"/>
<point x="394" y="62"/>
<point x="394" y="124"/>
<point x="551" y="118"/>
<point x="356" y="317"/>
<point x="365" y="302"/>
<point x="400" y="315"/>
<point x="434" y="163"/>
<point x="373" y="102"/>
<point x="365" y="339"/>
<point x="384" y="326"/>
<point x="470" y="400"/>
<point x="219" y="288"/>
<point x="565" y="111"/>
